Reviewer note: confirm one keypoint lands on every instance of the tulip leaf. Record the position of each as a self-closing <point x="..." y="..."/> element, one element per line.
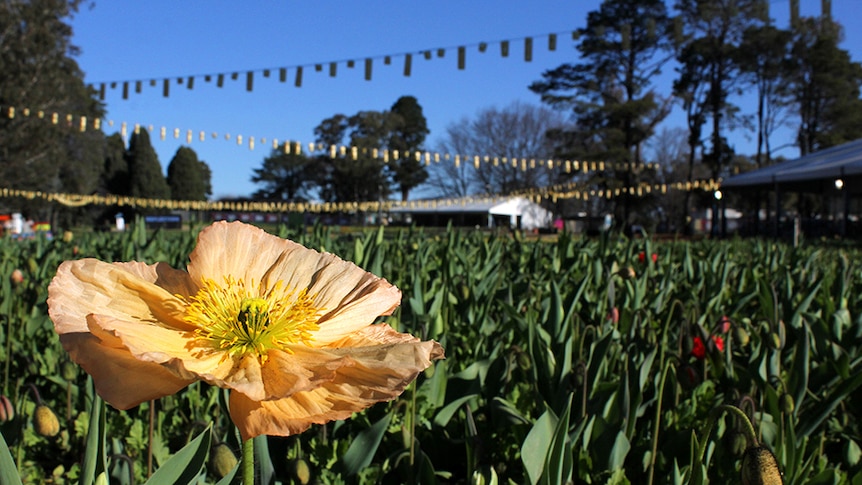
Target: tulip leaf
<point x="445" y="414"/>
<point x="8" y="471"/>
<point x="95" y="460"/>
<point x="534" y="450"/>
<point x="185" y="465"/>
<point x="364" y="446"/>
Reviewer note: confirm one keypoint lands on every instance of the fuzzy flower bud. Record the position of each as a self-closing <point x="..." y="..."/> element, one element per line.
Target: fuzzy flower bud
<point x="45" y="421"/>
<point x="7" y="411"/>
<point x="759" y="467"/>
<point x="17" y="277"/>
<point x="222" y="460"/>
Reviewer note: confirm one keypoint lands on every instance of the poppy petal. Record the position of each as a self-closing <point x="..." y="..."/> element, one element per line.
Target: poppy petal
<point x="383" y="364"/>
<point x="123" y="290"/>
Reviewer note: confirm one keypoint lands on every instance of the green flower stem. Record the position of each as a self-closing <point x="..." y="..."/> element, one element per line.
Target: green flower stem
<point x="248" y="462"/>
<point x="657" y="425"/>
<point x="747" y="427"/>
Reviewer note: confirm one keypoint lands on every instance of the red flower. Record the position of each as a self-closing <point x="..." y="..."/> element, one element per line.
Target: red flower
<point x="719" y="342"/>
<point x="642" y="257"/>
<point x="724" y="324"/>
<point x="698" y="350"/>
<point x="614" y="315"/>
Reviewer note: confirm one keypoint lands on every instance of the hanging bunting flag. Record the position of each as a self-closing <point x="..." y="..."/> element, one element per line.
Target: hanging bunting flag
<point x="528" y="49"/>
<point x="332" y="69"/>
<point x="462" y="53"/>
<point x="368" y="69"/>
<point x="552" y="42"/>
<point x="282" y="75"/>
<point x="351" y="63"/>
<point x="408" y="60"/>
<point x="220" y="80"/>
<point x="427" y="55"/>
<point x="298" y="80"/>
<point x="504" y="48"/>
<point x="234" y="76"/>
<point x="102" y="91"/>
<point x="166" y="88"/>
<point x="249" y="81"/>
<point x="153" y="83"/>
<point x="125" y="90"/>
<point x="387" y="60"/>
<point x="266" y="73"/>
<point x="441" y="53"/>
<point x="138" y="87"/>
<point x="483" y="46"/>
<point x="318" y="67"/>
<point x="191" y="83"/>
<point x="179" y="80"/>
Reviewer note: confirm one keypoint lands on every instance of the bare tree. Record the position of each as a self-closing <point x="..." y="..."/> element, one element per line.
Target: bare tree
<point x="505" y="140"/>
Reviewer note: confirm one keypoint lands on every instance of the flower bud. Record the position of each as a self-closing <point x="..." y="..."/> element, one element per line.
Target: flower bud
<point x="759" y="467"/>
<point x="68" y="236"/>
<point x="7" y="411"/>
<point x="688" y="377"/>
<point x="465" y="292"/>
<point x="45" y="421"/>
<point x="17" y="277"/>
<point x="70" y="371"/>
<point x="740" y="336"/>
<point x="299" y="470"/>
<point x="627" y="273"/>
<point x="775" y="340"/>
<point x="786" y="403"/>
<point x="222" y="460"/>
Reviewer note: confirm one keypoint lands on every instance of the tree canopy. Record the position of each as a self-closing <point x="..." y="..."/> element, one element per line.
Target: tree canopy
<point x="38" y="73"/>
<point x="188" y="177"/>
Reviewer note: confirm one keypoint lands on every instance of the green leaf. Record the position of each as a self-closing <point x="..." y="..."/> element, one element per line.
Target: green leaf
<point x="364" y="446"/>
<point x="534" y="450"/>
<point x="8" y="471"/>
<point x="95" y="460"/>
<point x="445" y="414"/>
<point x="186" y="464"/>
<point x="559" y="463"/>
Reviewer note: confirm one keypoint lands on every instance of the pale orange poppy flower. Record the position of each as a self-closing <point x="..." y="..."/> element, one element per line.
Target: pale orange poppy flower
<point x="287" y="329"/>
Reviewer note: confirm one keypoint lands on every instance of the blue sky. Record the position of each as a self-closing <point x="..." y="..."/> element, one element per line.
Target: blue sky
<point x="159" y="38"/>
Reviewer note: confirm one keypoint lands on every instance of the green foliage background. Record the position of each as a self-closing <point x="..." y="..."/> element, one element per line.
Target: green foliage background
<point x="541" y="384"/>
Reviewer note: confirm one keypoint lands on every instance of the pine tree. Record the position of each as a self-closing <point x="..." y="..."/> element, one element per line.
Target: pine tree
<point x="826" y="87"/>
<point x="623" y="46"/>
<point x="145" y="172"/>
<point x="39" y="75"/>
<point x="408" y="135"/>
<point x="187" y="177"/>
<point x="115" y="175"/>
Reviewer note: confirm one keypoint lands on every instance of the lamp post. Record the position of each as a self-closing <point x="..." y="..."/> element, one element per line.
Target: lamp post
<point x="719" y="201"/>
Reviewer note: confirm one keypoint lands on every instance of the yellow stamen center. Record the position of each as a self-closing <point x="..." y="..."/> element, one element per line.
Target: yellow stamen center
<point x="239" y="319"/>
